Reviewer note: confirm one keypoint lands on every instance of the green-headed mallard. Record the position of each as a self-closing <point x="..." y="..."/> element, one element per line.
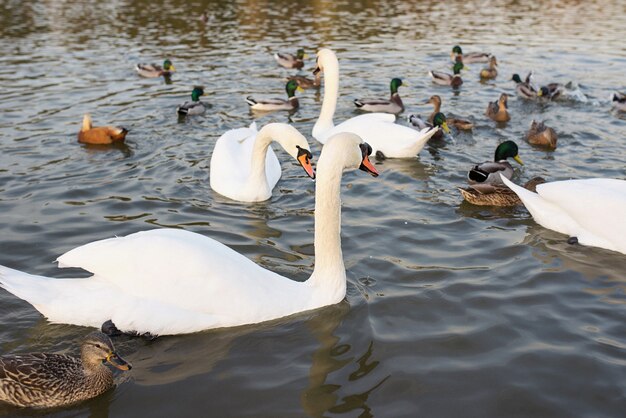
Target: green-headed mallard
<point x="499" y="196"/>
<point x="542" y="135"/>
<point x="100" y="135"/>
<point x="498" y="110"/>
<point x="461" y="124"/>
<point x="490" y="72"/>
<point x="619" y="101"/>
<point x="195" y="106"/>
<point x="469" y="58"/>
<point x="277" y="104"/>
<point x="439" y="120"/>
<point x="154" y="70"/>
<point x="551" y="91"/>
<point x="445" y="79"/>
<point x="43" y="380"/>
<point x="393" y="105"/>
<point x="307" y="83"/>
<point x="484" y="176"/>
<point x="291" y="61"/>
<point x="524" y="88"/>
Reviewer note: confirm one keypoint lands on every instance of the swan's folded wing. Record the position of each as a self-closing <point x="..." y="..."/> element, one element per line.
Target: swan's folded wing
<point x="174" y="266"/>
<point x="597" y="205"/>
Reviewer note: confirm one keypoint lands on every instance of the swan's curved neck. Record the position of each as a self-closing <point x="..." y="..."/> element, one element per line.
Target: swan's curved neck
<point x="329" y="103"/>
<point x="329" y="270"/>
<point x="270" y="132"/>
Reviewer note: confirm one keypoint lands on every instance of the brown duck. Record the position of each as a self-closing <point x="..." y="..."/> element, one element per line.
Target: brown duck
<point x="100" y="135"/>
<point x="542" y="135"/>
<point x="461" y="124"/>
<point x="500" y="196"/>
<point x="498" y="110"/>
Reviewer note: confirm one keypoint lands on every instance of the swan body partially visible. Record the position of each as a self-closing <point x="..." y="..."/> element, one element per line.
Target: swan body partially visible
<point x="243" y="164"/>
<point x="172" y="281"/>
<point x="379" y="130"/>
<point x="591" y="210"/>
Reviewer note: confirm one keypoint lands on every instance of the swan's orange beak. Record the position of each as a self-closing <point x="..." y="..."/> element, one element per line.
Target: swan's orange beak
<point x="304" y="158"/>
<point x="368" y="167"/>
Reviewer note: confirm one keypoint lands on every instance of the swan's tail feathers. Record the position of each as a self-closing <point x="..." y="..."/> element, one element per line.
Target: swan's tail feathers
<point x="424" y="135"/>
<point x="25" y="286"/>
<point x="250" y="100"/>
<point x="253" y="126"/>
<point x="86" y="123"/>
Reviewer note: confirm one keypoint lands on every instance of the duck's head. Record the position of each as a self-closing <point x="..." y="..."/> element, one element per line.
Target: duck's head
<point x="543" y="91"/>
<point x="440" y="120"/>
<point x="97" y="349"/>
<point x="458" y="66"/>
<point x="300" y="54"/>
<point x="493" y="61"/>
<point x="507" y="149"/>
<point x="503" y="100"/>
<point x="395" y="83"/>
<point x="196" y="93"/>
<point x="434" y="100"/>
<point x="456" y="50"/>
<point x="516" y="78"/>
<point x="291" y="87"/>
<point x="168" y="66"/>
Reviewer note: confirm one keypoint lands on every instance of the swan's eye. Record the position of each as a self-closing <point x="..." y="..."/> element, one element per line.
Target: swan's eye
<point x="366" y="149"/>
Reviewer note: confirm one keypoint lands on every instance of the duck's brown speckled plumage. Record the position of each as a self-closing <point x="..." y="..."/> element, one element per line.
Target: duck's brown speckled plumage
<point x="42" y="380"/>
<point x="499" y="196"/>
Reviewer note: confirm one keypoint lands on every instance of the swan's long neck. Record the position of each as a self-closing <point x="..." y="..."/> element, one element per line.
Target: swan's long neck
<point x="331" y="91"/>
<point x="329" y="272"/>
<point x="258" y="173"/>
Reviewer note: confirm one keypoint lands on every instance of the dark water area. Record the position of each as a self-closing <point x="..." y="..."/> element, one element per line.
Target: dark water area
<point x="451" y="309"/>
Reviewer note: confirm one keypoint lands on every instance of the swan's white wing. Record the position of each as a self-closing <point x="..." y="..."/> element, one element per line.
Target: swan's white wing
<point x="231" y="163"/>
<point x="178" y="268"/>
<point x="384" y="135"/>
<point x="591" y="210"/>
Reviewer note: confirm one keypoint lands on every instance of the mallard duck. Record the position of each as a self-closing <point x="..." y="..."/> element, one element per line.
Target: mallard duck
<point x="44" y="380"/>
<point x="490" y="72"/>
<point x="386" y="138"/>
<point x="542" y="135"/>
<point x="551" y="91"/>
<point x="484" y="176"/>
<point x="277" y="104"/>
<point x="499" y="196"/>
<point x="591" y="211"/>
<point x="307" y="83"/>
<point x="468" y="58"/>
<point x="524" y="88"/>
<point x="393" y="105"/>
<point x="461" y="124"/>
<point x="291" y="61"/>
<point x="154" y="70"/>
<point x="619" y="101"/>
<point x="100" y="135"/>
<point x="498" y="110"/>
<point x="214" y="285"/>
<point x="195" y="106"/>
<point x="439" y="121"/>
<point x="445" y="79"/>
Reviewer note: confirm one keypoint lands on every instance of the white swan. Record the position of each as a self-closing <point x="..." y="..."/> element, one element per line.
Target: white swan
<point x="377" y="129"/>
<point x="591" y="210"/>
<point x="243" y="165"/>
<point x="172" y="281"/>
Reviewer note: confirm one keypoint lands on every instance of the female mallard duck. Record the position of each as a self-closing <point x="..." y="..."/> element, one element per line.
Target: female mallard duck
<point x="619" y="101"/>
<point x="100" y="135"/>
<point x="566" y="207"/>
<point x="498" y="110"/>
<point x="490" y="72"/>
<point x="154" y="70"/>
<point x="445" y="79"/>
<point x="386" y="138"/>
<point x="461" y="124"/>
<point x="439" y="121"/>
<point x="307" y="83"/>
<point x="195" y="106"/>
<point x="277" y="104"/>
<point x="214" y="285"/>
<point x="43" y="380"/>
<point x="524" y="88"/>
<point x="291" y="61"/>
<point x="499" y="196"/>
<point x="243" y="164"/>
<point x="468" y="58"/>
<point x="393" y="105"/>
<point x="542" y="135"/>
<point x="485" y="176"/>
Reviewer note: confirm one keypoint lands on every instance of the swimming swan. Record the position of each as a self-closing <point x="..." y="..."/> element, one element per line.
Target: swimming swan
<point x="172" y="281"/>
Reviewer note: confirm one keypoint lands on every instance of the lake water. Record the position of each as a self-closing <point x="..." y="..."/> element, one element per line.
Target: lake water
<point x="452" y="309"/>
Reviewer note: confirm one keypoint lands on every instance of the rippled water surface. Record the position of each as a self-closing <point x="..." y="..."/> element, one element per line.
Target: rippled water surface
<point x="452" y="309"/>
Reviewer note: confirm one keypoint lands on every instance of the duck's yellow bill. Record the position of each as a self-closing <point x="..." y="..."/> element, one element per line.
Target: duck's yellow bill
<point x="518" y="159"/>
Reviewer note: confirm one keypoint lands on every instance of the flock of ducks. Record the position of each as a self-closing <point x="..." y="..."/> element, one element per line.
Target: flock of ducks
<point x="209" y="285"/>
